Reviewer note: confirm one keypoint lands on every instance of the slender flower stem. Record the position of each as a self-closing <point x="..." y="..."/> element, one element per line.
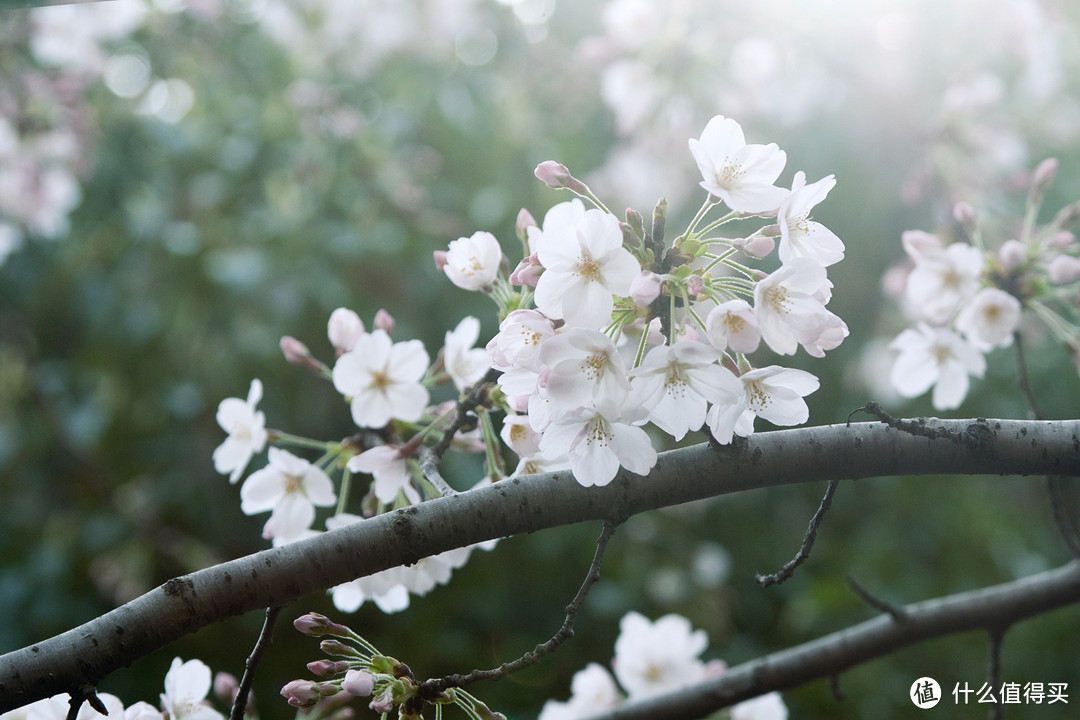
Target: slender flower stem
<point x="343" y="493"/>
<point x="709" y="202"/>
<point x="641" y="345"/>
<point x="285" y="438"/>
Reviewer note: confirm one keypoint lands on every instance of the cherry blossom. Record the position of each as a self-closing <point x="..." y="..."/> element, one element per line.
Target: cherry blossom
<point x="773" y="393"/>
<point x="598" y="439"/>
<point x="675" y="382"/>
<point x="790" y="308"/>
<point x="585" y="367"/>
<point x="390" y="470"/>
<point x="652" y="658"/>
<point x="769" y="706"/>
<point x="472" y="263"/>
<point x="344" y="328"/>
<point x="519" y="436"/>
<point x="290" y="487"/>
<point x="990" y="318"/>
<point x="733" y="325"/>
<point x="799" y="235"/>
<point x="592" y="692"/>
<point x="383" y="379"/>
<point x="739" y="174"/>
<point x="186" y="687"/>
<point x="942" y="280"/>
<point x="935" y="357"/>
<point x="465" y="364"/>
<point x="247" y="432"/>
<point x="585" y="265"/>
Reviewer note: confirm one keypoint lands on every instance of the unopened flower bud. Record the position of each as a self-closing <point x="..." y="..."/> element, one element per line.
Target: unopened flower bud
<point x="556" y="175"/>
<point x="302" y="693"/>
<point x="524" y="221"/>
<point x="384" y="320"/>
<point x="327" y="668"/>
<point x="225" y="687"/>
<point x="360" y="683"/>
<point x="383" y="702"/>
<point x="1064" y="269"/>
<point x="694" y="285"/>
<point x="964" y="213"/>
<point x="1012" y="253"/>
<point x="440" y="259"/>
<point x="645" y="288"/>
<point x="1062" y="239"/>
<point x="317" y="625"/>
<point x="344" y="328"/>
<point x="757" y="246"/>
<point x="336" y="647"/>
<point x="528" y="272"/>
<point x="295" y="351"/>
<point x="1043" y="175"/>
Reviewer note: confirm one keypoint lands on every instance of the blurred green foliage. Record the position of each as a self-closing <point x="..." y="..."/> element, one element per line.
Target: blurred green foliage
<point x="298" y="183"/>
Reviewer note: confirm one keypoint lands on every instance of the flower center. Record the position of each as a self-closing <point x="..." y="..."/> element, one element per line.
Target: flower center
<point x="593" y="367"/>
<point x="598" y="431"/>
<point x="294" y="484"/>
<point x="588" y="268"/>
<point x="757" y="396"/>
<point x="778" y="298"/>
<point x="734" y="323"/>
<point x="379" y="380"/>
<point x="729" y="173"/>
<point x="676" y="382"/>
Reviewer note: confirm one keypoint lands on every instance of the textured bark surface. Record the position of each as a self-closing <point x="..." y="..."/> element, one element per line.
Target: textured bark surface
<point x="86" y="654"/>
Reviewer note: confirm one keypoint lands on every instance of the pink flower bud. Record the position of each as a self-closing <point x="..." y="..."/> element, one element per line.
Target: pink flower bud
<point x="1043" y="174"/>
<point x="527" y="272"/>
<point x="525" y="220"/>
<point x="440" y="259"/>
<point x="301" y="693"/>
<point x="756" y="247"/>
<point x="645" y="288"/>
<point x="694" y="285"/>
<point x="344" y="328"/>
<point x="383" y="702"/>
<point x="1062" y="239"/>
<point x="317" y="625"/>
<point x="225" y="687"/>
<point x="295" y="351"/>
<point x="1064" y="269"/>
<point x="384" y="320"/>
<point x="556" y="175"/>
<point x="327" y="668"/>
<point x="964" y="213"/>
<point x="1012" y="253"/>
<point x="360" y="683"/>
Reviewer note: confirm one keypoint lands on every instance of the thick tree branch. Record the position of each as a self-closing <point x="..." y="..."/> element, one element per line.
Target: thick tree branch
<point x="83" y="656"/>
<point x="989" y="608"/>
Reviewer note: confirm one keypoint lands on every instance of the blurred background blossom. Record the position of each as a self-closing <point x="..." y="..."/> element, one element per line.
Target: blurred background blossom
<point x="183" y="182"/>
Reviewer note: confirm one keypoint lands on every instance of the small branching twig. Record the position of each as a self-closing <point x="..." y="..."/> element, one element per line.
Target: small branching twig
<point x="897" y="613"/>
<point x="87" y="693"/>
<point x="266" y="636"/>
<point x="473" y="396"/>
<point x="807" y="543"/>
<point x="917" y="426"/>
<point x="429" y="465"/>
<point x="1022" y="377"/>
<point x="834" y="685"/>
<point x="437" y="685"/>
<point x="1057" y="508"/>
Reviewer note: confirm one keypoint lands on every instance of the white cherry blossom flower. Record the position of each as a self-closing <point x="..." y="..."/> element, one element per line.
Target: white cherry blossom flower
<point x="390" y="470"/>
<point x="652" y="658"/>
<point x="733" y="325"/>
<point x="344" y="328"/>
<point x="186" y="687"/>
<point x="290" y="487"/>
<point x="143" y="711"/>
<point x="938" y="358"/>
<point x="585" y="367"/>
<point x="739" y="174"/>
<point x="472" y="263"/>
<point x="790" y="306"/>
<point x="592" y="692"/>
<point x="676" y="382"/>
<point x="585" y="265"/>
<point x="769" y="706"/>
<point x="942" y="280"/>
<point x="247" y="432"/>
<point x="465" y="364"/>
<point x="58" y="706"/>
<point x="385" y="588"/>
<point x="799" y="235"/>
<point x="383" y="379"/>
<point x="519" y="435"/>
<point x="990" y="318"/>
<point x="773" y="393"/>
<point x="597" y="440"/>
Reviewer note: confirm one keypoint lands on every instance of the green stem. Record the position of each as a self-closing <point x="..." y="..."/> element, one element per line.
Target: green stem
<point x="280" y="436"/>
<point x="343" y="494"/>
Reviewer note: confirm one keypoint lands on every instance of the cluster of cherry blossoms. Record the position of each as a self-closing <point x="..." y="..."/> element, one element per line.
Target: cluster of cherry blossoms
<point x="968" y="298"/>
<point x="187" y="685"/>
<point x="355" y="668"/>
<point x="606" y="326"/>
<point x="652" y="658"/>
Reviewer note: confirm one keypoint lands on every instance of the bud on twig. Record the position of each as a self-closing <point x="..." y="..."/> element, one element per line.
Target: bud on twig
<point x="556" y="175"/>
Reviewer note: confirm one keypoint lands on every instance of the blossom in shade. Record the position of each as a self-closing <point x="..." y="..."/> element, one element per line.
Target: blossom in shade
<point x="598" y="439"/>
<point x="390" y="470"/>
<point x="465" y="364"/>
<point x="790" y="306"/>
<point x="592" y="692"/>
<point x="383" y="379"/>
<point x="186" y="687"/>
<point x="472" y="263"/>
<point x="773" y="393"/>
<point x="247" y="432"/>
<point x="935" y="357"/>
<point x="799" y="235"/>
<point x="585" y="367"/>
<point x="290" y="487"/>
<point x="585" y="264"/>
<point x="652" y="658"/>
<point x="990" y="318"/>
<point x="769" y="706"/>
<point x="739" y="174"/>
<point x="942" y="280"/>
<point x="674" y="383"/>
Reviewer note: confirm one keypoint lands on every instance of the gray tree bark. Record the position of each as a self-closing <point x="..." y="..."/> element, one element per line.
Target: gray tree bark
<point x="81" y="657"/>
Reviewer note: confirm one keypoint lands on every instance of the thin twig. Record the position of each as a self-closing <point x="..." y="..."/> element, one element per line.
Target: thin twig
<point x="473" y="396"/>
<point x="874" y="601"/>
<point x="429" y="466"/>
<point x="437" y="685"/>
<point x="993" y="672"/>
<point x="87" y="693"/>
<point x="1057" y="509"/>
<point x="266" y="636"/>
<point x="807" y="544"/>
<point x="1022" y="377"/>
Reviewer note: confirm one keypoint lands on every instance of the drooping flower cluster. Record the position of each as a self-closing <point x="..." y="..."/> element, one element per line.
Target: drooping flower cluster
<point x="607" y="326"/>
<point x="967" y="298"/>
<point x="651" y="658"/>
<point x="187" y="685"/>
